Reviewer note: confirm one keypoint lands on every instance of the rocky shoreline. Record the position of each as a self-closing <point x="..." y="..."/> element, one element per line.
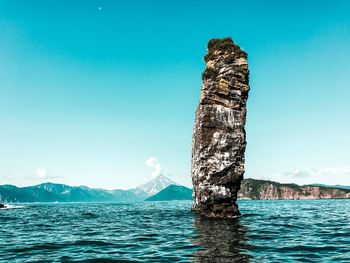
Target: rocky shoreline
<point x="252" y="189"/>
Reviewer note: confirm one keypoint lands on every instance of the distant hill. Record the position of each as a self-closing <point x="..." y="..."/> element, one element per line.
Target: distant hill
<point x="332" y="186"/>
<point x="172" y="192"/>
<point x="266" y="190"/>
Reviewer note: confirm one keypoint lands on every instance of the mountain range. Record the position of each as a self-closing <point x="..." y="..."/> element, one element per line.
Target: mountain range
<point x="50" y="192"/>
<point x="162" y="188"/>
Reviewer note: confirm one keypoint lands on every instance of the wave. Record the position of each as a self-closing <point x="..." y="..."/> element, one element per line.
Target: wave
<point x="14" y="207"/>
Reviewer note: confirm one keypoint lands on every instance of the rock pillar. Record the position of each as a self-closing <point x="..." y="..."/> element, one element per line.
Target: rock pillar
<point x="219" y="138"/>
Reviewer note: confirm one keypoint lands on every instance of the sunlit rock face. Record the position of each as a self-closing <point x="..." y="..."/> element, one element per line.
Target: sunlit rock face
<point x="219" y="138"/>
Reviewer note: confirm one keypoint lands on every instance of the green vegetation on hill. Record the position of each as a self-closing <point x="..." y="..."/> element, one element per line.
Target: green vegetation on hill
<point x="172" y="192"/>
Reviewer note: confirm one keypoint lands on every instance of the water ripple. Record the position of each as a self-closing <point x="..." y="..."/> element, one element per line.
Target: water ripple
<point x="268" y="231"/>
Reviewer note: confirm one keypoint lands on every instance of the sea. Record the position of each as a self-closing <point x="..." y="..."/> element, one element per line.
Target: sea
<point x="267" y="231"/>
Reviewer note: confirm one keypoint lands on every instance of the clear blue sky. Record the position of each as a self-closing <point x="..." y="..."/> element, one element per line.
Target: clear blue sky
<point x="90" y="90"/>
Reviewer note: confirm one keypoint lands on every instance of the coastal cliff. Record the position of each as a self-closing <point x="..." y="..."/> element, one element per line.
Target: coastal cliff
<point x="252" y="189"/>
<point x="219" y="138"/>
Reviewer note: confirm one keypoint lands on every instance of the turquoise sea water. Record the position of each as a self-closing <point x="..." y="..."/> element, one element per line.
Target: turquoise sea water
<point x="268" y="231"/>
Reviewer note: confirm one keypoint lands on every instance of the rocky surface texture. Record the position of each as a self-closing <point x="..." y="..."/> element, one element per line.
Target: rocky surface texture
<point x="267" y="190"/>
<point x="219" y="138"/>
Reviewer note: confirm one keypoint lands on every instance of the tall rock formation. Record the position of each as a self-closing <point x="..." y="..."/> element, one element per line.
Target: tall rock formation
<point x="219" y="138"/>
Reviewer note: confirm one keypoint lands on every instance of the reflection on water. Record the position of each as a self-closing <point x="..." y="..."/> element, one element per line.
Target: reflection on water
<point x="222" y="240"/>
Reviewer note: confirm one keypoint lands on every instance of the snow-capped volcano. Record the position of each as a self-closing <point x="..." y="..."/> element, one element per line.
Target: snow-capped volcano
<point x="156" y="185"/>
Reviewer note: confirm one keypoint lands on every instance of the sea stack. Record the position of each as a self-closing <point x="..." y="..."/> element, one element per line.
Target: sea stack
<point x="219" y="138"/>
